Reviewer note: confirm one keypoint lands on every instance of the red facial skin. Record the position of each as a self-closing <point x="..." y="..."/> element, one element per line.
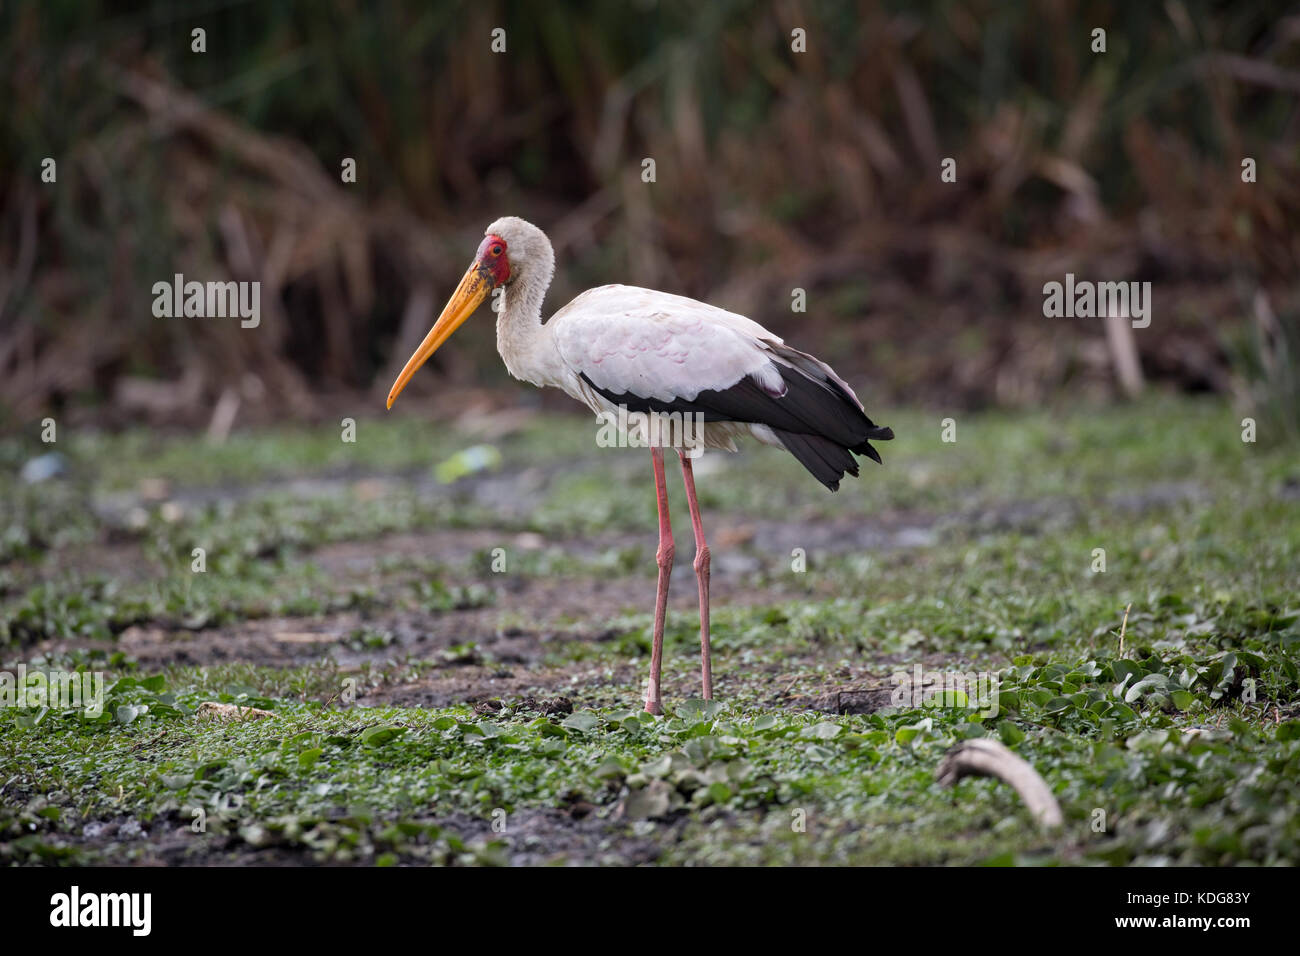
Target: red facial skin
<point x="493" y="262"/>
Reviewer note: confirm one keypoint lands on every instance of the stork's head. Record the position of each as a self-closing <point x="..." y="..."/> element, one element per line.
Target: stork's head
<point x="511" y="250"/>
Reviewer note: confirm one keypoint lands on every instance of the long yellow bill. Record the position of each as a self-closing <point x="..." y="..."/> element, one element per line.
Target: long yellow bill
<point x="471" y="291"/>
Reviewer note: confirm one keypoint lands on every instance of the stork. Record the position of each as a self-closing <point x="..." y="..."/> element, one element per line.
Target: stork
<point x="619" y="348"/>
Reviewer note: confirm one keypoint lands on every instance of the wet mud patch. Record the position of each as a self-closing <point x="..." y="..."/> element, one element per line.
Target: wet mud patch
<point x="575" y="835"/>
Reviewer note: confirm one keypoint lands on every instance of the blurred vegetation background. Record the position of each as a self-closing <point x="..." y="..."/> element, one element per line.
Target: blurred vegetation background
<point x="775" y="169"/>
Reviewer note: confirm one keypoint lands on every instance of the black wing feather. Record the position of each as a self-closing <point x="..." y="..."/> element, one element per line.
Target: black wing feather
<point x="817" y="421"/>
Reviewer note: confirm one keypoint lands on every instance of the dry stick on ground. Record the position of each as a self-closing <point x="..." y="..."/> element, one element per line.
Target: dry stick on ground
<point x="988" y="758"/>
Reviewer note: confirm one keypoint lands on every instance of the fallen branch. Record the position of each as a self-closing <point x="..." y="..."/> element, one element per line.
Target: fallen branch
<point x="988" y="758"/>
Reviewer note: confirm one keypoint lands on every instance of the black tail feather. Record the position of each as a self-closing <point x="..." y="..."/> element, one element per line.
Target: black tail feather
<point x="827" y="461"/>
<point x="866" y="449"/>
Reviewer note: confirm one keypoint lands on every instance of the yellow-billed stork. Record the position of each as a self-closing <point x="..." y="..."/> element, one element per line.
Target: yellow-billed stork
<point x="620" y="348"/>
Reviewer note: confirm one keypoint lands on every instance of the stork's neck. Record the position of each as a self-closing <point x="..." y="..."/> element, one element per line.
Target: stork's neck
<point x="524" y="342"/>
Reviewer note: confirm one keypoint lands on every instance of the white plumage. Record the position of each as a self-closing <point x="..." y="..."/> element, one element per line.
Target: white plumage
<point x="659" y="345"/>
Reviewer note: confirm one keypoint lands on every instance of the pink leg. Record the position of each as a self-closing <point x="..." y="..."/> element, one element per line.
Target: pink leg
<point x="701" y="575"/>
<point x="664" y="558"/>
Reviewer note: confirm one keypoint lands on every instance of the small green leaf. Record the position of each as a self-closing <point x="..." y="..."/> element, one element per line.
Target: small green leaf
<point x="819" y="753"/>
<point x="1147" y="685"/>
<point x="377" y="736"/>
<point x="826" y="730"/>
<point x="1121" y="712"/>
<point x="905" y="735"/>
<point x="719" y="792"/>
<point x="1289" y="730"/>
<point x="658" y="768"/>
<point x="583" y="721"/>
<point x="697" y="709"/>
<point x="1010" y="733"/>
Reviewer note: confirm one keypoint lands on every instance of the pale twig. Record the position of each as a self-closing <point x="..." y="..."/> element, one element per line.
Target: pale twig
<point x="1122" y="628"/>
